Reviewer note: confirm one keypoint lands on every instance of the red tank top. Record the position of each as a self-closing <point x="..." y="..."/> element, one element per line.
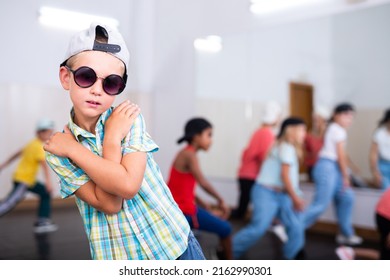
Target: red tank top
<point x="182" y="186"/>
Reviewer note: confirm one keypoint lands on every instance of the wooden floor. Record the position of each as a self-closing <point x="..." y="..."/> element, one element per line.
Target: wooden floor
<point x="18" y="242"/>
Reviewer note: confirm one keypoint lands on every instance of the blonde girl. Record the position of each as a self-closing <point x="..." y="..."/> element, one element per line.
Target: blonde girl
<point x="276" y="193"/>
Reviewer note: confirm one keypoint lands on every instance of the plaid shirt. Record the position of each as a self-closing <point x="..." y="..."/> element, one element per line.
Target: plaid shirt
<point x="149" y="226"/>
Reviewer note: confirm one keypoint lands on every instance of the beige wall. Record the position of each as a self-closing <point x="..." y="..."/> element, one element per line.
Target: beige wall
<point x="360" y="135"/>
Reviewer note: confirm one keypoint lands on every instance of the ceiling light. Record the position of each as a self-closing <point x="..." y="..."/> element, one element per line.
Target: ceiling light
<point x="71" y="20"/>
<point x="208" y="44"/>
<point x="272" y="6"/>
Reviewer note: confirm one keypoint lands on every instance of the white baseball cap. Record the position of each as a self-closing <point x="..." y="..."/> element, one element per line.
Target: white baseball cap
<point x="272" y="112"/>
<point x="86" y="41"/>
<point x="323" y="112"/>
<point x="44" y="124"/>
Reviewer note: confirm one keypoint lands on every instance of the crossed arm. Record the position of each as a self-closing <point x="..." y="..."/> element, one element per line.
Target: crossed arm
<point x="113" y="177"/>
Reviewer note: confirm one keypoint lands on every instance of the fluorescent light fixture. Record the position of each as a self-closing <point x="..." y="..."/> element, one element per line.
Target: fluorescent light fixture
<point x="211" y="44"/>
<point x="71" y="20"/>
<point x="272" y="6"/>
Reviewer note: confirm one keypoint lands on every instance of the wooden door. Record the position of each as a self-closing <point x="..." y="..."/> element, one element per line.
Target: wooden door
<point x="301" y="102"/>
<point x="301" y="105"/>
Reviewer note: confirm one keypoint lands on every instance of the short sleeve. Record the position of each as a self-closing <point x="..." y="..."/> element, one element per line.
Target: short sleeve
<point x="287" y="154"/>
<point x="377" y="135"/>
<point x="71" y="177"/>
<point x="338" y="134"/>
<point x="138" y="140"/>
<point x="39" y="152"/>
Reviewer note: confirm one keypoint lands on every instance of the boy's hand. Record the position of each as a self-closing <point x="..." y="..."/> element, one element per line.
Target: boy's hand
<point x="122" y="118"/>
<point x="60" y="143"/>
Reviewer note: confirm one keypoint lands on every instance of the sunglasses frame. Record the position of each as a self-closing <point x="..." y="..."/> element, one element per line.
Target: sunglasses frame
<point x="74" y="72"/>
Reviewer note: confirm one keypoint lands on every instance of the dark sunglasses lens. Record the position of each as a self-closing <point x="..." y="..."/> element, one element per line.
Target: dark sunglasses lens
<point x="113" y="84"/>
<point x="85" y="77"/>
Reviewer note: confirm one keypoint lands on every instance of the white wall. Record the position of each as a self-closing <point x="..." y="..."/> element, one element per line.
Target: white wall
<point x="178" y="23"/>
<point x="361" y="57"/>
<point x="32" y="52"/>
<point x="259" y="65"/>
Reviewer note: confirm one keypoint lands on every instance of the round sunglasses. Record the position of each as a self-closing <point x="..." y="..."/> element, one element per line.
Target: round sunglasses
<point x="85" y="77"/>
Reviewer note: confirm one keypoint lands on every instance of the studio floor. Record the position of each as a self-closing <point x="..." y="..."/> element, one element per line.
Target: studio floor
<point x="19" y="242"/>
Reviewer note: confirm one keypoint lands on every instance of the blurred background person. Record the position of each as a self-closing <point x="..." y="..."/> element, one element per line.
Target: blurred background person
<point x="186" y="174"/>
<point x="32" y="157"/>
<point x="332" y="177"/>
<point x="315" y="138"/>
<point x="276" y="194"/>
<point x="380" y="153"/>
<point x="254" y="154"/>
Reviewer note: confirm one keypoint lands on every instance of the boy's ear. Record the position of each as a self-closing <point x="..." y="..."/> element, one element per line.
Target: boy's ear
<point x="64" y="77"/>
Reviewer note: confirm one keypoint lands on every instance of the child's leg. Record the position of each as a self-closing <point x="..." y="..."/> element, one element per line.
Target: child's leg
<point x="344" y="201"/>
<point x="265" y="207"/>
<point x="383" y="227"/>
<point x="245" y="194"/>
<point x="13" y="198"/>
<point x="44" y="209"/>
<point x="210" y="223"/>
<point x="325" y="178"/>
<point x="293" y="222"/>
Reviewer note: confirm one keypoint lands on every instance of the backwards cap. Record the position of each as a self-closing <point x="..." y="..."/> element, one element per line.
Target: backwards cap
<point x="272" y="112"/>
<point x="323" y="112"/>
<point x="44" y="124"/>
<point x="86" y="41"/>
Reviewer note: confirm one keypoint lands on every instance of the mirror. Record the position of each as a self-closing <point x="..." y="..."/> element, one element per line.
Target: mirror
<point x="344" y="57"/>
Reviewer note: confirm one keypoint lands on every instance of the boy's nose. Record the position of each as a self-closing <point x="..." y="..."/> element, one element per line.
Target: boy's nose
<point x="97" y="87"/>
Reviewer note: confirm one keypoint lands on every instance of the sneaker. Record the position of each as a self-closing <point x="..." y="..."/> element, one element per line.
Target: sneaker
<point x="280" y="232"/>
<point x="352" y="240"/>
<point x="345" y="253"/>
<point x="45" y="226"/>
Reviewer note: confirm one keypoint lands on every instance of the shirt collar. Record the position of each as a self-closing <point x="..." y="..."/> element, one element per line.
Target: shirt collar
<point x="79" y="132"/>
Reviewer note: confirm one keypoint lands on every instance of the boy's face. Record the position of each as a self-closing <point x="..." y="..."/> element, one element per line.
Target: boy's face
<point x="44" y="135"/>
<point x="89" y="103"/>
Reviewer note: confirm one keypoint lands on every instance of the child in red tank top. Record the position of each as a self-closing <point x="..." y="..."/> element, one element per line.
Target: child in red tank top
<point x="186" y="174"/>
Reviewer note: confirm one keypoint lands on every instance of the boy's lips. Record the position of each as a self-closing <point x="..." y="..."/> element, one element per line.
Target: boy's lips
<point x="92" y="102"/>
